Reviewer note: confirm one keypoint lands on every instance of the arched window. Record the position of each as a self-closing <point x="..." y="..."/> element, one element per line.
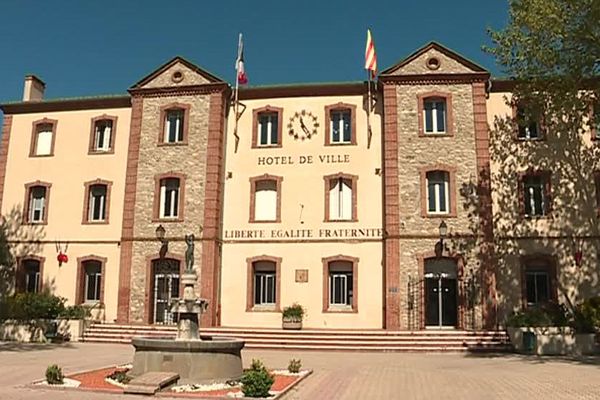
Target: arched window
<point x="97" y="201"/>
<point x="340" y="284"/>
<point x="103" y="133"/>
<point x="174" y="123"/>
<point x="265" y="202"/>
<point x="263" y="283"/>
<point x="340" y="124"/>
<point x="29" y="275"/>
<point x="340" y="197"/>
<point x="43" y="137"/>
<point x="37" y="195"/>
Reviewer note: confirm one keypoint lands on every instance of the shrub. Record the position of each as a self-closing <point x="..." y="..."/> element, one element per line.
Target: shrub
<point x="28" y="306"/>
<point x="294" y="313"/>
<point x="586" y="316"/>
<point x="76" y="312"/>
<point x="549" y="314"/>
<point x="257" y="381"/>
<point x="54" y="375"/>
<point x="294" y="366"/>
<point x="120" y="376"/>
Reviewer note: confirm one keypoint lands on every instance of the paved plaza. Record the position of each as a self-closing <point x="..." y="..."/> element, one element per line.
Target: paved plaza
<point x="338" y="375"/>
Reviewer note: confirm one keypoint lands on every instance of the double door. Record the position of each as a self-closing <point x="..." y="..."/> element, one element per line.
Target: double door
<point x="166" y="288"/>
<point x="441" y="302"/>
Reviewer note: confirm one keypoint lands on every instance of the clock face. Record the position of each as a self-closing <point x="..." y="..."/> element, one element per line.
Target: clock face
<point x="303" y="125"/>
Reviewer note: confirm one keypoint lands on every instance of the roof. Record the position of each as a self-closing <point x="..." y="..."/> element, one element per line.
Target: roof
<point x="178" y="59"/>
<point x="67" y="104"/>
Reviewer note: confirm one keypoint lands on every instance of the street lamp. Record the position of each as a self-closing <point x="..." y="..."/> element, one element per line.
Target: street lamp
<point x="160" y="233"/>
<point x="439" y="246"/>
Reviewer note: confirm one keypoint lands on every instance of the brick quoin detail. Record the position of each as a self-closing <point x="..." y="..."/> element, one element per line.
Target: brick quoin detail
<point x="392" y="209"/>
<point x="486" y="254"/>
<point x="129" y="211"/>
<point x="4" y="154"/>
<point x="213" y="205"/>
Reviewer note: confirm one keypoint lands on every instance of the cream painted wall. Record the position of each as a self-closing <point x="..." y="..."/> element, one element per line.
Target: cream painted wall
<point x="303" y="208"/>
<point x="67" y="170"/>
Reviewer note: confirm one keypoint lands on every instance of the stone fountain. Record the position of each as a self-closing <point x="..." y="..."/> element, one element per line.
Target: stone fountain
<point x="195" y="358"/>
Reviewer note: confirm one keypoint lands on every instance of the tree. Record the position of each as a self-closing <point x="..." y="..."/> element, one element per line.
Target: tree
<point x="552" y="50"/>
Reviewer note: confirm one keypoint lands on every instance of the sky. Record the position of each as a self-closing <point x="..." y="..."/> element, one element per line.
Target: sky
<point x="93" y="47"/>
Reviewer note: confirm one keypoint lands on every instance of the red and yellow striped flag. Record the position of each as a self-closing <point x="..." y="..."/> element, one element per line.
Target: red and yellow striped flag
<point x="370" y="55"/>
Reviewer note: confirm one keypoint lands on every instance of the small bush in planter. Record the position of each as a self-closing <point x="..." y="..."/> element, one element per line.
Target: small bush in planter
<point x="544" y="315"/>
<point x="75" y="312"/>
<point x="120" y="376"/>
<point x="293" y="313"/>
<point x="54" y="375"/>
<point x="586" y="316"/>
<point x="294" y="366"/>
<point x="257" y="381"/>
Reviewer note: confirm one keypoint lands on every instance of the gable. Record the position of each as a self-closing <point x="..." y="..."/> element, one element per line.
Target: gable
<point x="422" y="62"/>
<point x="177" y="72"/>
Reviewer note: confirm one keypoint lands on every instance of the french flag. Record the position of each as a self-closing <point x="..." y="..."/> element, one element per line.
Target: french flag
<point x="242" y="79"/>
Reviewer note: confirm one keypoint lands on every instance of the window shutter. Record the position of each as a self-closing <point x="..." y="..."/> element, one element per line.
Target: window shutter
<point x="44" y="142"/>
<point x="334" y="199"/>
<point x="265" y="201"/>
<point x="547" y="192"/>
<point x="346" y="199"/>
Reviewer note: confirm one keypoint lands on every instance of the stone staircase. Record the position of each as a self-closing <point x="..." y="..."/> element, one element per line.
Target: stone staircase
<point x="321" y="339"/>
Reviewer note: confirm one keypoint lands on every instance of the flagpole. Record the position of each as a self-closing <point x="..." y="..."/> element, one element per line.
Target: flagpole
<point x="369" y="103"/>
<point x="236" y="103"/>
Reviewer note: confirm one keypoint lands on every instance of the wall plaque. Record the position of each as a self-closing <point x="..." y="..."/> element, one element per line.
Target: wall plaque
<point x="302" y="275"/>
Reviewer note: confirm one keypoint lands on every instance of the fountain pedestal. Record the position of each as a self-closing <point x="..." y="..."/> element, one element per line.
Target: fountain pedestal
<point x="196" y="358"/>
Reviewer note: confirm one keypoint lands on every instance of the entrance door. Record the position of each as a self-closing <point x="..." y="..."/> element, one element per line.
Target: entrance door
<point x="441" y="293"/>
<point x="165" y="288"/>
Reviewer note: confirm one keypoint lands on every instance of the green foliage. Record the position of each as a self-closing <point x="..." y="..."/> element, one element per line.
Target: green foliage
<point x="54" y="375"/>
<point x="552" y="48"/>
<point x="294" y="366"/>
<point x="76" y="312"/>
<point x="120" y="376"/>
<point x="294" y="313"/>
<point x="28" y="306"/>
<point x="257" y="381"/>
<point x="586" y="317"/>
<point x="545" y="315"/>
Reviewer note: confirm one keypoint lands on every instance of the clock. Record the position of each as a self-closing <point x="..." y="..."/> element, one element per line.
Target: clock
<point x="303" y="125"/>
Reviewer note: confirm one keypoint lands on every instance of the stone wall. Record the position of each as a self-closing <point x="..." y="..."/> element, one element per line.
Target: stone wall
<point x="188" y="159"/>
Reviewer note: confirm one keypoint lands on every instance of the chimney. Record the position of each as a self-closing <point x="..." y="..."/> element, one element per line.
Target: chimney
<point x="33" y="89"/>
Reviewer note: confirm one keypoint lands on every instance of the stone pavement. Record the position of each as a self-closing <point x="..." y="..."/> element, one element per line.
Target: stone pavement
<point x="338" y="375"/>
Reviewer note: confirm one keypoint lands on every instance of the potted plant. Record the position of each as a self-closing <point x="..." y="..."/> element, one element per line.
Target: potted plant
<point x="292" y="316"/>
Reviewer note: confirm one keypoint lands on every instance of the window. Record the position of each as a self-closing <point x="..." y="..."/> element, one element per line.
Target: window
<point x="438" y="192"/>
<point x="434" y="115"/>
<point x="538" y="280"/>
<point x="528" y="127"/>
<point x="267" y="126"/>
<point x="537" y="286"/>
<point x="92" y="270"/>
<point x="339" y="285"/>
<point x="42" y="142"/>
<point x="536" y="194"/>
<point x="103" y="131"/>
<point x="340" y="198"/>
<point x="36" y="201"/>
<point x="340" y="124"/>
<point x="31" y="276"/>
<point x="169" y="198"/>
<point x="265" y="202"/>
<point x="263" y="283"/>
<point x="97" y="203"/>
<point x="174" y="126"/>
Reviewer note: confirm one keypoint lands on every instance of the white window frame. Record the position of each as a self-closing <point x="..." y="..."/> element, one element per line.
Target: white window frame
<point x="97" y="284"/>
<point x="342" y="122"/>
<point x="92" y="203"/>
<point x="37" y="205"/>
<point x="529" y="189"/>
<point x="341" y="273"/>
<point x="179" y="125"/>
<point x="103" y="135"/>
<point x="272" y="124"/>
<point x="435" y="102"/>
<point x="262" y="279"/>
<point x="338" y="199"/>
<point x="436" y="193"/>
<point x="174" y="194"/>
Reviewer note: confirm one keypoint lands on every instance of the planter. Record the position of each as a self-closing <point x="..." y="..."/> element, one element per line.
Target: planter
<point x="291" y="324"/>
<point x="71" y="329"/>
<point x="42" y="330"/>
<point x="551" y="341"/>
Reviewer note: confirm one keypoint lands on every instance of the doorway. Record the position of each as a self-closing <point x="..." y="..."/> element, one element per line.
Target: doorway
<point x="165" y="288"/>
<point x="441" y="293"/>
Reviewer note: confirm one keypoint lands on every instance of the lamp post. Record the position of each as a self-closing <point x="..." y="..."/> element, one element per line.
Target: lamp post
<point x="160" y="233"/>
<point x="439" y="246"/>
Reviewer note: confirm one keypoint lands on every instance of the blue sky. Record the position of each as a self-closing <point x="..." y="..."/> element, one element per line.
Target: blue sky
<point x="85" y="47"/>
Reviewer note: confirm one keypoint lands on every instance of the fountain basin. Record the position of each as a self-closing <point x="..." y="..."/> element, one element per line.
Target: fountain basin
<point x="196" y="361"/>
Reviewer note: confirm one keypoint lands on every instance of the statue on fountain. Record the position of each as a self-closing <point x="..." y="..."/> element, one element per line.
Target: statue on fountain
<point x="189" y="254"/>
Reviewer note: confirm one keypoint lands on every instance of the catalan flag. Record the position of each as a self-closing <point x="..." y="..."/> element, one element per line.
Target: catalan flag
<point x="370" y="55"/>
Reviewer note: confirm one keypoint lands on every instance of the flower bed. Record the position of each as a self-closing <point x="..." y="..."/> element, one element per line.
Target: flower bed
<point x="96" y="380"/>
